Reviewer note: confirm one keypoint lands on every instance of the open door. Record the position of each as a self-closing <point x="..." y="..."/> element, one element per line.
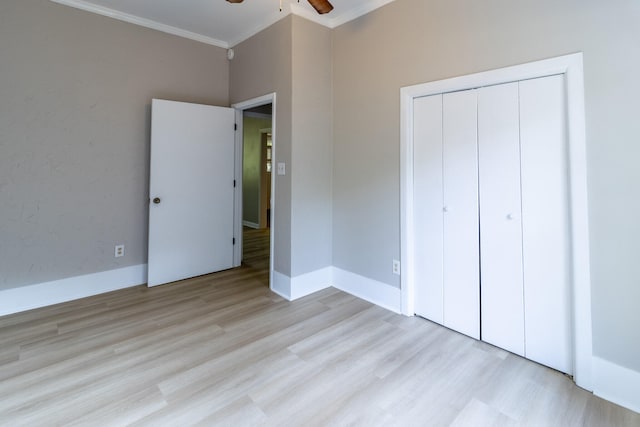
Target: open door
<point x="191" y="212"/>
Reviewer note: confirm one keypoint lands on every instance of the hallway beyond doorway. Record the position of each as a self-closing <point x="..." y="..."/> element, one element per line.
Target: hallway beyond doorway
<point x="255" y="251"/>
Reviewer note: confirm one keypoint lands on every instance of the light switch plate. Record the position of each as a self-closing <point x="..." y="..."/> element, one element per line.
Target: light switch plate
<point x="282" y="168"/>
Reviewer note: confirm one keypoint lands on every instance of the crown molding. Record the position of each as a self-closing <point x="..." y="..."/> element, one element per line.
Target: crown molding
<point x="330" y="21"/>
<point x="148" y="23"/>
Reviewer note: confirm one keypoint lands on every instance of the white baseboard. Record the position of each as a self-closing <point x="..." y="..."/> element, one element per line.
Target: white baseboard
<point x="281" y="285"/>
<point x="43" y="294"/>
<point x="616" y="384"/>
<point x="306" y="284"/>
<point x="250" y="224"/>
<point x="375" y="292"/>
<point x="303" y="285"/>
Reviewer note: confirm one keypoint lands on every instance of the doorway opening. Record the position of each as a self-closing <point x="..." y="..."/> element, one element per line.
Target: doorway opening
<point x="255" y="154"/>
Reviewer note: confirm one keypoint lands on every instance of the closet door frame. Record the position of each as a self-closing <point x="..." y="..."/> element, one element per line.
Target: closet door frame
<point x="571" y="66"/>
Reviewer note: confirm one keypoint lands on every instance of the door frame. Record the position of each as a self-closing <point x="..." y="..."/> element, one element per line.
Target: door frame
<point x="571" y="66"/>
<point x="240" y="107"/>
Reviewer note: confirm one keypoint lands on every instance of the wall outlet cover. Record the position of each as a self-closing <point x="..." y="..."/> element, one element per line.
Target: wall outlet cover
<point x="119" y="251"/>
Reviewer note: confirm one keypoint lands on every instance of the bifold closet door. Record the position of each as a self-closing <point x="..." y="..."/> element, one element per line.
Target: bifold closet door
<point x="446" y="211"/>
<point x="545" y="223"/>
<point x="427" y="207"/>
<point x="500" y="217"/>
<point x="461" y="275"/>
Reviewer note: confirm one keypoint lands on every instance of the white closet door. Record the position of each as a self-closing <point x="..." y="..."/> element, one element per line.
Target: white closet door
<point x="545" y="219"/>
<point x="427" y="171"/>
<point x="500" y="217"/>
<point x="461" y="228"/>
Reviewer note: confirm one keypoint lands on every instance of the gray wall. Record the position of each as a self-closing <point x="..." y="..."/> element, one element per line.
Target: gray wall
<point x="262" y="65"/>
<point x="293" y="59"/>
<point x="311" y="198"/>
<point x="252" y="167"/>
<point x="75" y="93"/>
<point x="415" y="41"/>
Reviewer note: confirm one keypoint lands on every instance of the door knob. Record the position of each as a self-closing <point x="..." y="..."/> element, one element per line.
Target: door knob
<point x="156" y="200"/>
<point x="445" y="209"/>
<point x="510" y="217"/>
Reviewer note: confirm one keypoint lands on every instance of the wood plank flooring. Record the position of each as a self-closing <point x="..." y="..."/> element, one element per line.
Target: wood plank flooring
<point x="223" y="350"/>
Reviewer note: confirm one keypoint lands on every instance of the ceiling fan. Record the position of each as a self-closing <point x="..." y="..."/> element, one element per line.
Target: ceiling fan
<point x="321" y="6"/>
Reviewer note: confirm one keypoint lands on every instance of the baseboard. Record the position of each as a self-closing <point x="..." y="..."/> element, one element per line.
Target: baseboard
<point x="616" y="384"/>
<point x="303" y="285"/>
<point x="281" y="285"/>
<point x="308" y="283"/>
<point x="375" y="292"/>
<point x="43" y="294"/>
<point x="250" y="224"/>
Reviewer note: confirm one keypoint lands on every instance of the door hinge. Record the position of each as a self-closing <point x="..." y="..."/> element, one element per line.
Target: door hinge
<point x="235" y="126"/>
<point x="234" y="240"/>
<point x="234" y="183"/>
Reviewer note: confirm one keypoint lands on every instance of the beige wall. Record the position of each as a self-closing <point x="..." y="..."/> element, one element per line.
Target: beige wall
<point x="293" y="59"/>
<point x="252" y="167"/>
<point x="415" y="41"/>
<point x="262" y="65"/>
<point x="312" y="144"/>
<point x="75" y="94"/>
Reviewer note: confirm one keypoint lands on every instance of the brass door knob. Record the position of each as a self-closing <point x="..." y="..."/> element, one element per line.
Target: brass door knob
<point x="156" y="200"/>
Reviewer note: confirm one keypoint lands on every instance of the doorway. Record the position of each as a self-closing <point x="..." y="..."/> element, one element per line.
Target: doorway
<point x="255" y="154"/>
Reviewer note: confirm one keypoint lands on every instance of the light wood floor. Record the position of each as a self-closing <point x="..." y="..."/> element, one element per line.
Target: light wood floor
<point x="223" y="350"/>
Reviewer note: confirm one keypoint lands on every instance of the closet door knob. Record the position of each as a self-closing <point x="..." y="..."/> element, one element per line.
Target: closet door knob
<point x="510" y="217"/>
<point x="445" y="209"/>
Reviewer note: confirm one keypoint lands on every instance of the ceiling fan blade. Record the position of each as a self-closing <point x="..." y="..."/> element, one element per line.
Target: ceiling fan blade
<point x="321" y="6"/>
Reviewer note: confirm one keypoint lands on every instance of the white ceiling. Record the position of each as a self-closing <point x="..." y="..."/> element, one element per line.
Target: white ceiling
<point x="218" y="22"/>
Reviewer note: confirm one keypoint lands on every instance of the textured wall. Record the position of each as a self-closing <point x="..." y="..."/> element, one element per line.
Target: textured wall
<point x="75" y="94"/>
<point x="415" y="41"/>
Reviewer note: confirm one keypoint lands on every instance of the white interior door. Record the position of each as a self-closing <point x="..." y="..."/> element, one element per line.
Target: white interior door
<point x="545" y="223"/>
<point x="500" y="217"/>
<point x="191" y="214"/>
<point x="461" y="229"/>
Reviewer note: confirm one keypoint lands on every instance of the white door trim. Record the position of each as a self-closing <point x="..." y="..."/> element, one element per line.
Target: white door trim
<point x="571" y="66"/>
<point x="240" y="107"/>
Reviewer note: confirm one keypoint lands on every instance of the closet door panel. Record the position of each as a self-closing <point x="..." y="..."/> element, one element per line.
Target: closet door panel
<point x="461" y="228"/>
<point x="427" y="170"/>
<point x="545" y="221"/>
<point x="502" y="310"/>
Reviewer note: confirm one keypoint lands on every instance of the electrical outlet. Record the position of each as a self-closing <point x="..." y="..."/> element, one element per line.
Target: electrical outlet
<point x="119" y="251"/>
<point x="396" y="267"/>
